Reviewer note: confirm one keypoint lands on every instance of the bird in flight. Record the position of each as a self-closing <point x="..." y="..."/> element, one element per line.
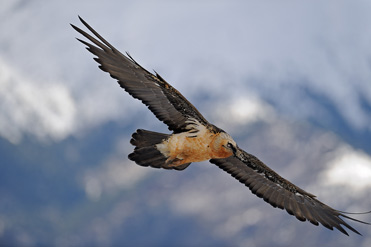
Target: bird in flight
<point x="194" y="139"/>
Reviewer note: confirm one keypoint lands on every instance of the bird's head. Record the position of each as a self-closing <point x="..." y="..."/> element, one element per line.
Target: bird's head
<point x="225" y="145"/>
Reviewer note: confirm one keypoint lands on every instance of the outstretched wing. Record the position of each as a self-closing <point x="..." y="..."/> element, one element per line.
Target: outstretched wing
<point x="162" y="99"/>
<point x="277" y="191"/>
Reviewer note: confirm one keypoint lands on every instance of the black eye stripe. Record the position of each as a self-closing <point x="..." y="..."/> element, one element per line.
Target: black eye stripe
<point x="231" y="146"/>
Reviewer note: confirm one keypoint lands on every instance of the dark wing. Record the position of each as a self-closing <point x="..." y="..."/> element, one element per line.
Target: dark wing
<point x="162" y="99"/>
<point x="277" y="191"/>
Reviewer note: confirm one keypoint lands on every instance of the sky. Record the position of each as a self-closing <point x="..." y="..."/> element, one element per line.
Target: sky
<point x="271" y="43"/>
<point x="289" y="80"/>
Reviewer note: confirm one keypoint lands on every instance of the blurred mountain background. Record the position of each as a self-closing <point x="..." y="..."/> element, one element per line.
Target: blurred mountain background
<point x="289" y="80"/>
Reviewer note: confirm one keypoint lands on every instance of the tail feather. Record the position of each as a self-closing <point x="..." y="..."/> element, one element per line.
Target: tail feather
<point x="148" y="156"/>
<point x="146" y="153"/>
<point x="144" y="138"/>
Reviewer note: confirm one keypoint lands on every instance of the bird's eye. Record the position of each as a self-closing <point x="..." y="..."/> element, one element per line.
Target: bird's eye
<point x="231" y="147"/>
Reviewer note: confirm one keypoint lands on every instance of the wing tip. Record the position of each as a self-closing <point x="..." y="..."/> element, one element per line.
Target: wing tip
<point x="342" y="214"/>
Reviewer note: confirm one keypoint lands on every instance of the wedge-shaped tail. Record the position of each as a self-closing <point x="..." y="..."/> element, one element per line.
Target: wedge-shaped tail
<point x="146" y="152"/>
